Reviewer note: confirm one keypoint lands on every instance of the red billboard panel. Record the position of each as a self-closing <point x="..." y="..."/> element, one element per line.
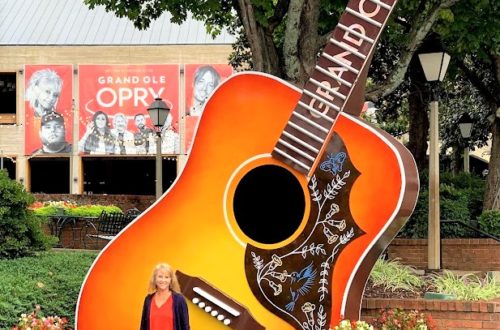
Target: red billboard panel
<point x="48" y="108"/>
<point x="113" y="108"/>
<point x="201" y="80"/>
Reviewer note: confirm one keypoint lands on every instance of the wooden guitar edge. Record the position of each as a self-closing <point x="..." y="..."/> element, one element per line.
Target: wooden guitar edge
<point x="410" y="195"/>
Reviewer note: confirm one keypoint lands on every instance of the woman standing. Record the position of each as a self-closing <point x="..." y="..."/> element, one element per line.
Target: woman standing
<point x="98" y="138"/>
<point x="164" y="307"/>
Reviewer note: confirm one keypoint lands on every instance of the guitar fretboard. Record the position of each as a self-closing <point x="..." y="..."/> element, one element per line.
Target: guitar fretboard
<point x="333" y="80"/>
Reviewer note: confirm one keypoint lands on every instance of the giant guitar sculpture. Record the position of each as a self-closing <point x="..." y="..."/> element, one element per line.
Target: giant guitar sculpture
<point x="285" y="202"/>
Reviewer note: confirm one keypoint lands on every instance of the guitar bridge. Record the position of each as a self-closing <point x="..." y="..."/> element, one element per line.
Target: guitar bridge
<point x="216" y="304"/>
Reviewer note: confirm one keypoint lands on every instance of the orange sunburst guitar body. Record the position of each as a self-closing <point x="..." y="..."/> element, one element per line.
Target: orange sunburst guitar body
<point x="269" y="230"/>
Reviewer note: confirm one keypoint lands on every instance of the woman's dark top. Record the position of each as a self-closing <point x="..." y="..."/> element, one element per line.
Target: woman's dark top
<point x="181" y="315"/>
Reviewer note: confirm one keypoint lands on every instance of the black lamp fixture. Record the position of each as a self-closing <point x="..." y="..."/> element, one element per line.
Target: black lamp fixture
<point x="158" y="112"/>
<point x="434" y="64"/>
<point x="465" y="125"/>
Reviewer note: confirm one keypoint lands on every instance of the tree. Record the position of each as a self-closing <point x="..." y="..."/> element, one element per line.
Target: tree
<point x="284" y="36"/>
<point x="469" y="31"/>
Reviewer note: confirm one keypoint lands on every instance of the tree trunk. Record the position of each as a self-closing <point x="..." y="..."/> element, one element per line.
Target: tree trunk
<point x="418" y="118"/>
<point x="264" y="54"/>
<point x="492" y="191"/>
<point x="301" y="41"/>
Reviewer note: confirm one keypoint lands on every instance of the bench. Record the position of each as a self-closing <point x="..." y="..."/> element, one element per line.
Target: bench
<point x="105" y="228"/>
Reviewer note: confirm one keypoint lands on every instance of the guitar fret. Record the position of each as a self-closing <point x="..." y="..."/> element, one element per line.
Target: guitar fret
<point x="381" y="4"/>
<point x="364" y="18"/>
<point x="299" y="141"/>
<point x="339" y="62"/>
<point x="320" y="85"/>
<point x="356" y="33"/>
<point x="297" y="150"/>
<point x="322" y="100"/>
<point x="306" y="132"/>
<point x="310" y="122"/>
<point x="348" y="48"/>
<point x="298" y="162"/>
<point x="340" y="80"/>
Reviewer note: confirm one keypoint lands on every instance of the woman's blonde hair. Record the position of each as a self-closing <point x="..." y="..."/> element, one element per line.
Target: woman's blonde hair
<point x="174" y="284"/>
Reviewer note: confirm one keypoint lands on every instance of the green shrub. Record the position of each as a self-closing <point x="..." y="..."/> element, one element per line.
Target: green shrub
<point x="489" y="222"/>
<point x="92" y="210"/>
<point x="461" y="197"/>
<point x="21" y="231"/>
<point x="51" y="279"/>
<point x="392" y="275"/>
<point x="466" y="287"/>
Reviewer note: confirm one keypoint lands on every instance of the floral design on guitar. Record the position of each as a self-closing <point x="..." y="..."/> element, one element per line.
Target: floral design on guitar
<point x="294" y="281"/>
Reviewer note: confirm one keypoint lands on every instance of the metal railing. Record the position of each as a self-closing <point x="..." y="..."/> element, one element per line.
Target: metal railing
<point x="479" y="231"/>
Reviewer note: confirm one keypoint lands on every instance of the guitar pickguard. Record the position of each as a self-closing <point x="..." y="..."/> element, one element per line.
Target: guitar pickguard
<point x="294" y="281"/>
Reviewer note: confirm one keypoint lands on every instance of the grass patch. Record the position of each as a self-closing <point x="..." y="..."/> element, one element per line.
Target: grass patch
<point x="392" y="275"/>
<point x="466" y="287"/>
<point x="50" y="279"/>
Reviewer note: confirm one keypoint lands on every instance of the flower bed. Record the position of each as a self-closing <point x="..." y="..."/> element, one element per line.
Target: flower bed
<point x="54" y="208"/>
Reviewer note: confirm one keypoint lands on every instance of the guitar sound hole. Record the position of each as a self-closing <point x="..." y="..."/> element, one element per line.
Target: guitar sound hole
<point x="269" y="204"/>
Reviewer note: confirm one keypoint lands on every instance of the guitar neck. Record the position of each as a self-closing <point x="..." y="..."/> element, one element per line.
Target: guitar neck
<point x="340" y="72"/>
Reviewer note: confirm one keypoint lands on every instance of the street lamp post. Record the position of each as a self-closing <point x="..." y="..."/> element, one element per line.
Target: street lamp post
<point x="434" y="66"/>
<point x="465" y="125"/>
<point x="158" y="112"/>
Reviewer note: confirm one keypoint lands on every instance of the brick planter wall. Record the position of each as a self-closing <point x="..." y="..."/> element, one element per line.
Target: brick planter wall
<point x="457" y="254"/>
<point x="71" y="236"/>
<point x="447" y="314"/>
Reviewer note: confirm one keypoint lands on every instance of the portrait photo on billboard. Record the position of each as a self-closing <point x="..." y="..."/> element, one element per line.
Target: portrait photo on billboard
<point x="114" y="99"/>
<point x="48" y="106"/>
<point x="200" y="82"/>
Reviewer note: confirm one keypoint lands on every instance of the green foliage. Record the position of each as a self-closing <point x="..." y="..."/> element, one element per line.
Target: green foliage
<point x="392" y="275"/>
<point x="471" y="26"/>
<point x="461" y="197"/>
<point x="466" y="287"/>
<point x="80" y="211"/>
<point x="353" y="325"/>
<point x="50" y="279"/>
<point x="92" y="210"/>
<point x="489" y="222"/>
<point x="21" y="231"/>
